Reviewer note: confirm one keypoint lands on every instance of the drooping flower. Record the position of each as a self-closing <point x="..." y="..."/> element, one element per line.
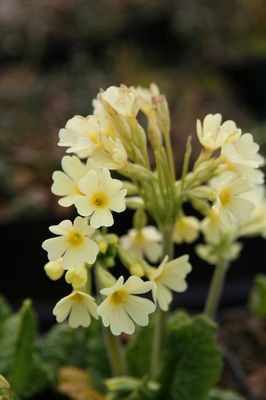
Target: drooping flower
<point x="186" y="229"/>
<point x="212" y="134"/>
<point x="167" y="277"/>
<point x="66" y="183"/>
<point x="122" y="309"/>
<point x="101" y="195"/>
<point x="144" y="242"/>
<point x="72" y="243"/>
<point x="78" y="307"/>
<point x="243" y="158"/>
<point x="230" y="204"/>
<point x="81" y="135"/>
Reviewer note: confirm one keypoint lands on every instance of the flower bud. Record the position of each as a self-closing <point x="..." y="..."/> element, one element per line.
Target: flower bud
<point x="139" y="219"/>
<point x="54" y="269"/>
<point x="77" y="277"/>
<point x="137" y="270"/>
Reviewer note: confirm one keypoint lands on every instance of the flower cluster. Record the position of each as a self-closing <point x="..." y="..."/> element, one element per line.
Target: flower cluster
<point x="224" y="186"/>
<point x="113" y="139"/>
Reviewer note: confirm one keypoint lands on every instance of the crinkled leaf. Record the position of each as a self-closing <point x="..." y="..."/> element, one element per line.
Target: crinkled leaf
<point x="191" y="364"/>
<point x="219" y="394"/>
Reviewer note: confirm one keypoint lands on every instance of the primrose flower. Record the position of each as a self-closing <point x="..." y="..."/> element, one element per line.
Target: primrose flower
<point x="230" y="203"/>
<point x="169" y="276"/>
<point x="66" y="183"/>
<point x="186" y="229"/>
<point x="209" y="253"/>
<point x="212" y="227"/>
<point x="145" y="242"/>
<point x="121" y="100"/>
<point x="243" y="158"/>
<point x="81" y="135"/>
<point x="78" y="308"/>
<point x="212" y="134"/>
<point x="122" y="308"/>
<point x="73" y="243"/>
<point x="101" y="194"/>
<point x="110" y="154"/>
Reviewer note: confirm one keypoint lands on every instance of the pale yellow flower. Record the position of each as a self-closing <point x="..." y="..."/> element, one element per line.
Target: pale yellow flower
<point x="123" y="100"/>
<point x="230" y="203"/>
<point x="186" y="229"/>
<point x="243" y="158"/>
<point x="212" y="227"/>
<point x="122" y="309"/>
<point x="81" y="135"/>
<point x="212" y="134"/>
<point x="145" y="242"/>
<point x="66" y="183"/>
<point x="167" y="277"/>
<point x="72" y="243"/>
<point x="78" y="308"/>
<point x="102" y="194"/>
<point x="209" y="253"/>
<point x="110" y="154"/>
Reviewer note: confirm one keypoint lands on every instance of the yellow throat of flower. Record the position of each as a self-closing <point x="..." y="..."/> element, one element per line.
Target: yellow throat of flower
<point x="118" y="297"/>
<point x="225" y="197"/>
<point x="75" y="238"/>
<point x="99" y="200"/>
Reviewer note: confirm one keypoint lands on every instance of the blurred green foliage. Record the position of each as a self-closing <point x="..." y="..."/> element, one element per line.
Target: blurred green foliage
<point x="55" y="55"/>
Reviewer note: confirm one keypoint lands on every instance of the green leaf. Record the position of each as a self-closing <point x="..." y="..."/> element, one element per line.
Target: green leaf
<point x="257" y="299"/>
<point x="53" y="348"/>
<point x="5" y="310"/>
<point x="191" y="364"/>
<point x="17" y="346"/>
<point x="138" y="351"/>
<point x="219" y="394"/>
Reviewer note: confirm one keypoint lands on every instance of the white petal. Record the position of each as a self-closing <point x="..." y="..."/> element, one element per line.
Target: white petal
<point x="136" y="285"/>
<point x="101" y="217"/>
<point x="138" y="309"/>
<point x="55" y="247"/>
<point x="61" y="229"/>
<point x="117" y="202"/>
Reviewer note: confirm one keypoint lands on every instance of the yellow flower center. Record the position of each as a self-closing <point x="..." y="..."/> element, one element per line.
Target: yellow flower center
<point x="99" y="200"/>
<point x="139" y="238"/>
<point x="75" y="238"/>
<point x="77" y="298"/>
<point x="94" y="137"/>
<point x="225" y="197"/>
<point x="118" y="297"/>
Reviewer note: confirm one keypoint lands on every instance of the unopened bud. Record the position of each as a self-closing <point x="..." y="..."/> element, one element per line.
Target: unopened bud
<point x="77" y="277"/>
<point x="137" y="270"/>
<point x="139" y="219"/>
<point x="54" y="269"/>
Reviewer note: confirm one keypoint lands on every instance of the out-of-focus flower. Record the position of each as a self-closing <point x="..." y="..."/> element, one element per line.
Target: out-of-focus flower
<point x="144" y="242"/>
<point x="209" y="253"/>
<point x="212" y="134"/>
<point x="230" y="204"/>
<point x="81" y="135"/>
<point x="186" y="229"/>
<point x="167" y="277"/>
<point x="212" y="227"/>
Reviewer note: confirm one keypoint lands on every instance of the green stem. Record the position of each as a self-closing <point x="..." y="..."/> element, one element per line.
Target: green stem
<point x="215" y="291"/>
<point x="169" y="154"/>
<point x="114" y="352"/>
<point x="162" y="316"/>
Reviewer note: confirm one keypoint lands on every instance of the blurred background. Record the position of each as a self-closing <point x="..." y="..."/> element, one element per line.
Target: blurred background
<point x="205" y="56"/>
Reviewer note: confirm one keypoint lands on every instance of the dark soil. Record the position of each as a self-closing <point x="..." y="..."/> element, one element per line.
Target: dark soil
<point x="243" y="341"/>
